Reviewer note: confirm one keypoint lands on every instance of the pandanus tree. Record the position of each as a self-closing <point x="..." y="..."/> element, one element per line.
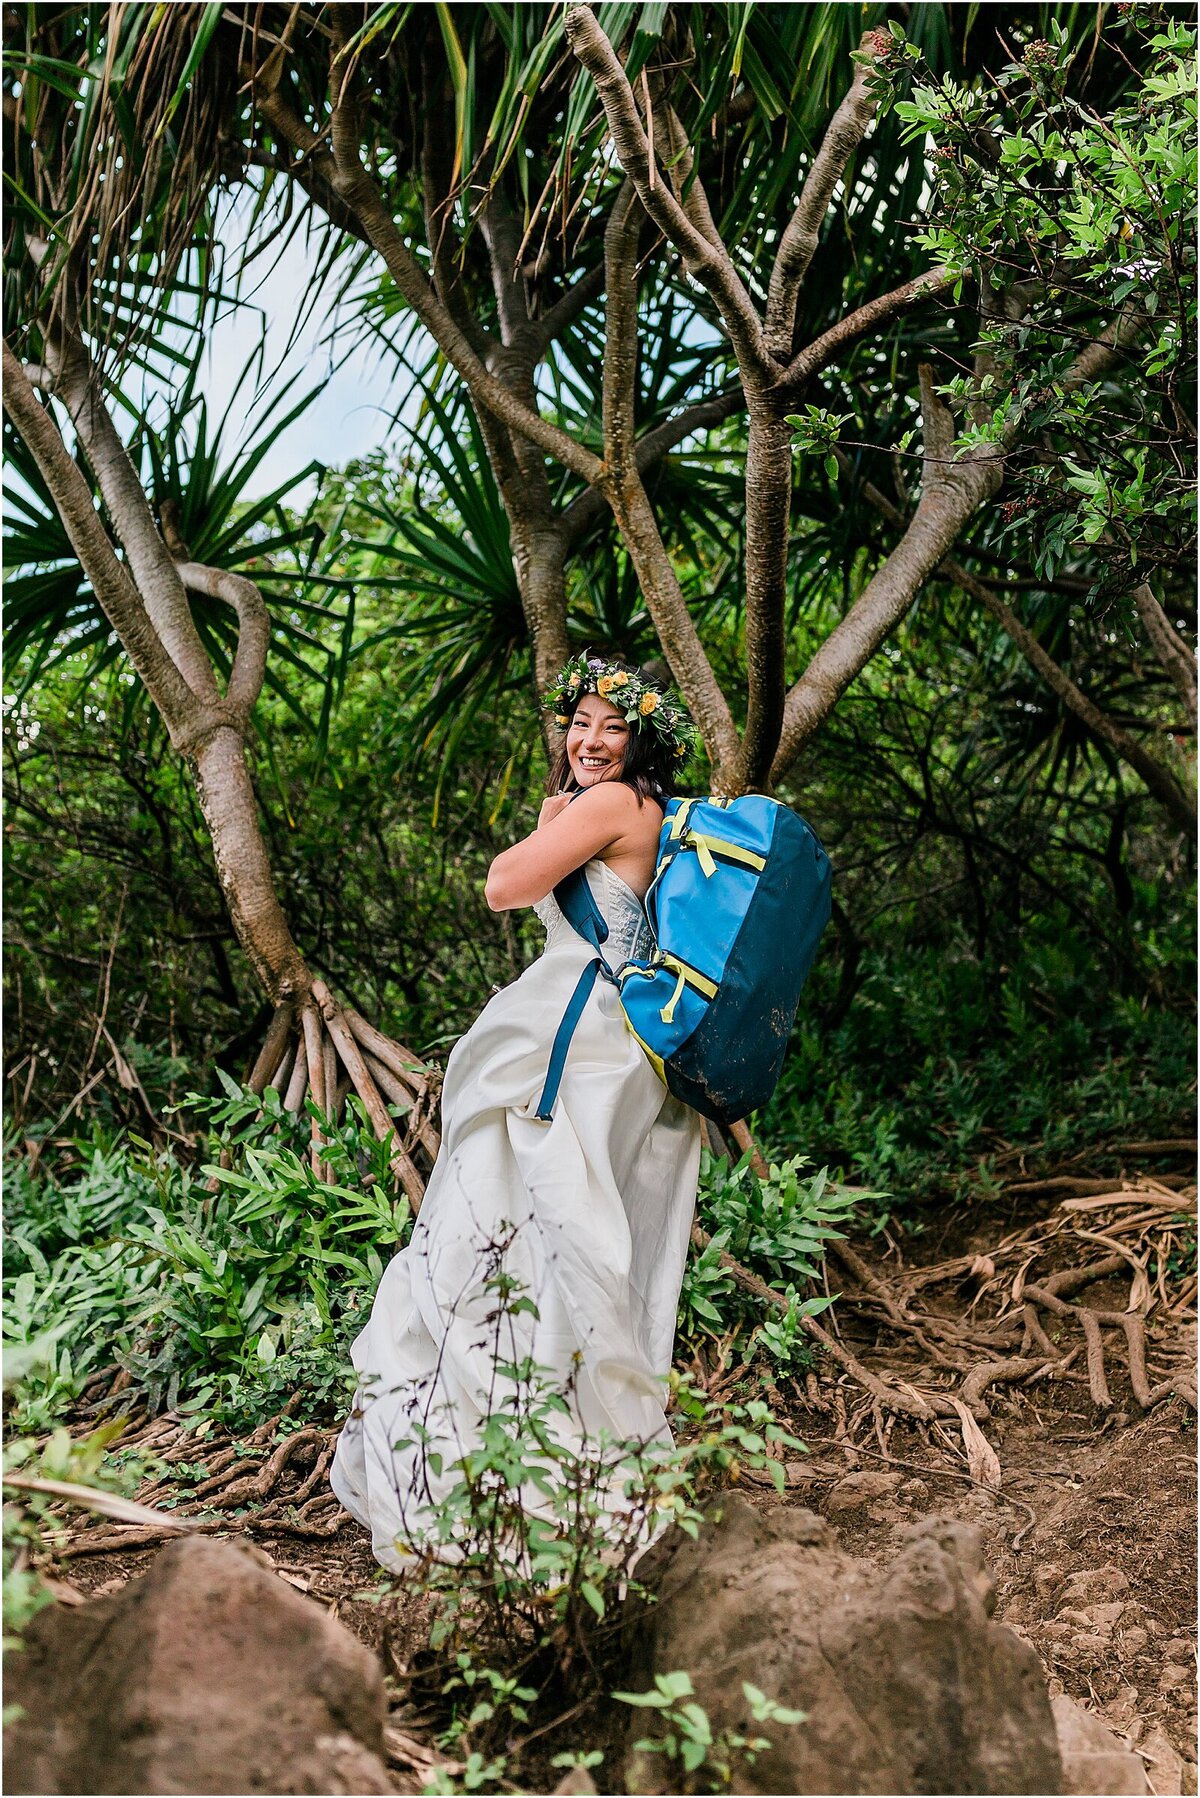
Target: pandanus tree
<point x="530" y="185"/>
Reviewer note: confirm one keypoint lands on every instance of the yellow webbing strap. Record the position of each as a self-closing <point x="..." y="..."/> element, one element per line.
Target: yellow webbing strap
<point x="706" y="847"/>
<point x="690" y="976"/>
<point x="656" y="1061"/>
<point x="703" y="855"/>
<point x="668" y="1011"/>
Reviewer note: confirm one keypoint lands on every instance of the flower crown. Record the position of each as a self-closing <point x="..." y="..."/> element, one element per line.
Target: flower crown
<point x="644" y="703"/>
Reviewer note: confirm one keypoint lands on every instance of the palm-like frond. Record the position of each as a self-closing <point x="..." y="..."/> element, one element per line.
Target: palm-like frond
<point x="197" y="480"/>
<point x="445" y="564"/>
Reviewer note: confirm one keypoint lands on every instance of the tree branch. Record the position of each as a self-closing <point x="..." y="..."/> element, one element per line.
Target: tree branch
<point x="254" y="628"/>
<point x="951" y="493"/>
<point x="825" y="349"/>
<point x="768" y="510"/>
<point x="159" y="587"/>
<point x="676" y="631"/>
<point x="798" y="244"/>
<point x="503" y="239"/>
<point x="619" y="364"/>
<point x="709" y="262"/>
<point x="1177" y="659"/>
<point x="110" y="580"/>
<point x="649" y="450"/>
<point x="567" y="308"/>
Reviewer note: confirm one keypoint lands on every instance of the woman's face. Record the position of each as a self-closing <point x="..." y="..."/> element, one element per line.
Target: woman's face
<point x="597" y="739"/>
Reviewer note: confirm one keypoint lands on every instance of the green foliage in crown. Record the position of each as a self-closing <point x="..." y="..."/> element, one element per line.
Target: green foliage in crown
<point x="645" y="704"/>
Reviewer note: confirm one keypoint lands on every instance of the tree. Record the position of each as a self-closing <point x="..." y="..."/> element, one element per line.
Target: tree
<point x="754" y="187"/>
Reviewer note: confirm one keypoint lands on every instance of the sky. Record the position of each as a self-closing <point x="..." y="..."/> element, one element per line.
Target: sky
<point x="351" y="415"/>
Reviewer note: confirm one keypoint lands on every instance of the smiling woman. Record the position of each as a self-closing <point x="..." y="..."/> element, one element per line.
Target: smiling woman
<point x="587" y="1210"/>
<point x="599" y="757"/>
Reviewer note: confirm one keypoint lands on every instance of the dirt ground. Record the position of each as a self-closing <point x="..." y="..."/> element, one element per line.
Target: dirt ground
<point x="1090" y="1531"/>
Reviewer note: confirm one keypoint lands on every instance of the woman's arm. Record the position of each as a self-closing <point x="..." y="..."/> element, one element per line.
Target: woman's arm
<point x="582" y="829"/>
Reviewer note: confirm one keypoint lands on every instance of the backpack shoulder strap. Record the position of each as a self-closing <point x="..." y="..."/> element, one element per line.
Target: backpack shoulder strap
<point x="577" y="903"/>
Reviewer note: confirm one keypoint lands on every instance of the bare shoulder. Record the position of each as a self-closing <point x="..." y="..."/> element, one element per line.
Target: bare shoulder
<point x="610" y="799"/>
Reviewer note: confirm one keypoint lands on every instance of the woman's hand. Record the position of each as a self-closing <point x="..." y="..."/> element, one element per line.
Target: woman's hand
<point x="557" y="802"/>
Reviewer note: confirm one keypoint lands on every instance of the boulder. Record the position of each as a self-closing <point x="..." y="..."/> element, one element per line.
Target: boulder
<point x="206" y="1674"/>
<point x="1095" y="1761"/>
<point x="907" y="1684"/>
<point x="1168" y="1774"/>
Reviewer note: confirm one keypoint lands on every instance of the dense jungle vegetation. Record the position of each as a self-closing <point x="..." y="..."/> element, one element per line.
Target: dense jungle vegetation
<point x="876" y="436"/>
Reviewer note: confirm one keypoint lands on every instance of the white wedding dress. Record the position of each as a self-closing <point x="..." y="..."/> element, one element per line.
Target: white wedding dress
<point x="590" y="1212"/>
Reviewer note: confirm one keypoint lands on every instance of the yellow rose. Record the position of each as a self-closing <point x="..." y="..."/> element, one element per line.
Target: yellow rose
<point x="574" y="681"/>
<point x="562" y="718"/>
<point x="649" y="703"/>
<point x="619" y="680"/>
<point x="604" y="685"/>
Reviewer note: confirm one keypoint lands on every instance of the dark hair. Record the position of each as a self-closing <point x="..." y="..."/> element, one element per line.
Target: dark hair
<point x="650" y="765"/>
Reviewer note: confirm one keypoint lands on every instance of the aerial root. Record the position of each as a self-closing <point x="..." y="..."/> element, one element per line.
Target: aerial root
<point x="318" y="1050"/>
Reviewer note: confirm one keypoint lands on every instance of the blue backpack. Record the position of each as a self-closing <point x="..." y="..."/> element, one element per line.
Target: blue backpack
<point x="737" y="905"/>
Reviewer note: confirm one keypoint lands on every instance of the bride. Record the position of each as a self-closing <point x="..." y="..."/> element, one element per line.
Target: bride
<point x="589" y="1211"/>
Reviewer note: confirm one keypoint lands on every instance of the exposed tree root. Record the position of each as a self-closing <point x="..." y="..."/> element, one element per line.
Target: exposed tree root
<point x="1137" y="1219"/>
<point x="318" y="1049"/>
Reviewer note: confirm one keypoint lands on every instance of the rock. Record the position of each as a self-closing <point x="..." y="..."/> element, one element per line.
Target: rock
<point x="1095" y="1761"/>
<point x="1130" y="1643"/>
<point x="1165" y="1766"/>
<point x="907" y="1684"/>
<point x="206" y="1674"/>
<point x="912" y="1492"/>
<point x="1094" y="1585"/>
<point x="577" y="1780"/>
<point x="860" y="1488"/>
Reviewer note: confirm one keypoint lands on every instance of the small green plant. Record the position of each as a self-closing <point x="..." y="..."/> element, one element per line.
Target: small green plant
<point x="778" y="1227"/>
<point x="579" y="1760"/>
<point x="476" y="1773"/>
<point x="38" y="1476"/>
<point x="226" y="1301"/>
<point x="488" y="1694"/>
<point x="707" y="1758"/>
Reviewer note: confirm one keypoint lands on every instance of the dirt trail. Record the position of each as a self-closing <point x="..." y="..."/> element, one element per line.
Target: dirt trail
<point x="1091" y="1534"/>
<point x="1088" y="1511"/>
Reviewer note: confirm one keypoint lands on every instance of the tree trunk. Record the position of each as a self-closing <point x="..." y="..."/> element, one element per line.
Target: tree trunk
<point x="145" y="600"/>
<point x="230" y="811"/>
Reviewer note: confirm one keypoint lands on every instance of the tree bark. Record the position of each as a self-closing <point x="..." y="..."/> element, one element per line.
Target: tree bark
<point x="1176" y="658"/>
<point x="227" y="800"/>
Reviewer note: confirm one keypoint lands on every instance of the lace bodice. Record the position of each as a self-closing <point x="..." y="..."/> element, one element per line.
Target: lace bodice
<point x="629" y="934"/>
